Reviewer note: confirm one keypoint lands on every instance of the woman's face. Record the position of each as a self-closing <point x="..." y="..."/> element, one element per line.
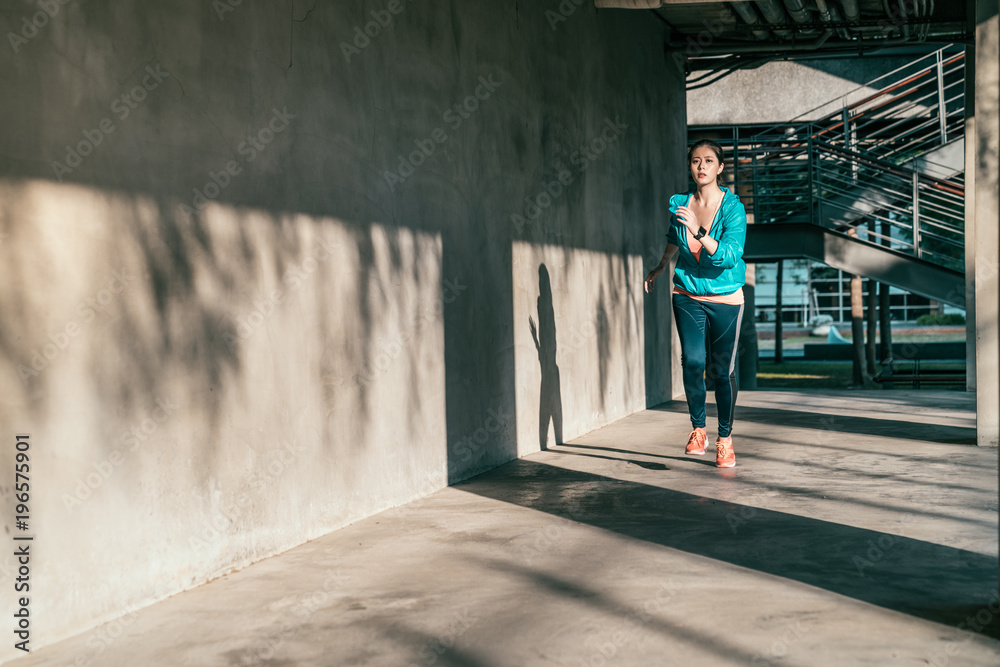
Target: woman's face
<point x="705" y="166"/>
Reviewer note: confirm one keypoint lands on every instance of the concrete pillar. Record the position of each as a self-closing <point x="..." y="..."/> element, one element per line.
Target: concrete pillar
<point x="987" y="231"/>
<point x="987" y="212"/>
<point x="676" y="370"/>
<point x="858" y="332"/>
<point x="871" y="324"/>
<point x="748" y="353"/>
<point x="885" y="331"/>
<point x="779" y="315"/>
<point x="885" y="311"/>
<point x="860" y="370"/>
<point x="970" y="214"/>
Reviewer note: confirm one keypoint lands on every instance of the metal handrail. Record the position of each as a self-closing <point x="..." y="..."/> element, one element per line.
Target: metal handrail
<point x="851" y="168"/>
<point x="869" y="85"/>
<point x="832" y="121"/>
<point x="896" y="86"/>
<point x="884" y="165"/>
<point x="902" y="119"/>
<point x="814" y="181"/>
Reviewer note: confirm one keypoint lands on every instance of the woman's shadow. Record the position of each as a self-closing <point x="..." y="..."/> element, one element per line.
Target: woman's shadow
<point x="550" y="396"/>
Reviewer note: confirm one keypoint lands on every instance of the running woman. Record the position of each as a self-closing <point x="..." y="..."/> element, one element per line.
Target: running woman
<point x="709" y="228"/>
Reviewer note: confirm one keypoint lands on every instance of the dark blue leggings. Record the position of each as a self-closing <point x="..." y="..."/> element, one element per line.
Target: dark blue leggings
<point x="719" y="324"/>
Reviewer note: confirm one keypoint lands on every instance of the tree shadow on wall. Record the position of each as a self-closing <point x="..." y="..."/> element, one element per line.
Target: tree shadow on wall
<point x="550" y="395"/>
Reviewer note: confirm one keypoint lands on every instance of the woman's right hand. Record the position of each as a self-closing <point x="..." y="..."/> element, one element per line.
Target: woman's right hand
<point x="650" y="279"/>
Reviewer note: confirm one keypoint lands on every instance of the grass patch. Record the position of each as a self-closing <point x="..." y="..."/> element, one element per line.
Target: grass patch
<point x="831" y="375"/>
<point x="804" y="375"/>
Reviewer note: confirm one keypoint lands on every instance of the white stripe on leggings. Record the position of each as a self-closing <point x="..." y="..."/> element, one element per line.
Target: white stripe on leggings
<point x="736" y="345"/>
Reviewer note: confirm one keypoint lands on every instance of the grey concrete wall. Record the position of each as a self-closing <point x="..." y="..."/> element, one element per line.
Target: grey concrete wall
<point x="264" y="274"/>
<point x="779" y="91"/>
<point x="987" y="231"/>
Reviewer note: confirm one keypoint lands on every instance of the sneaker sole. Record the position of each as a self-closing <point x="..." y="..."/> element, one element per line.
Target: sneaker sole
<point x="731" y="464"/>
<point x="702" y="453"/>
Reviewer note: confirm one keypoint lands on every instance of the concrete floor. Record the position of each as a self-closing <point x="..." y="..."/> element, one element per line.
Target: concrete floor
<point x="857" y="529"/>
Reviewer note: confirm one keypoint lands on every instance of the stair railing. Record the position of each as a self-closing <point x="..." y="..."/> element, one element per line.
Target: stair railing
<point x="851" y="167"/>
<point x="914" y="108"/>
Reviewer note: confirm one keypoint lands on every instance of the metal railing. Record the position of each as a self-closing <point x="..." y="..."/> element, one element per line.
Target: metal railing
<point x="896" y="117"/>
<point x="888" y="204"/>
<point x="850" y="170"/>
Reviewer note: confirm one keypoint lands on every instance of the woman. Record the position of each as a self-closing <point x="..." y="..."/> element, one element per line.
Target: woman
<point x="709" y="228"/>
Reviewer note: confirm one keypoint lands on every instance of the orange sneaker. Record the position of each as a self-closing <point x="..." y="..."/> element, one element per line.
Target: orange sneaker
<point x="725" y="457"/>
<point x="697" y="442"/>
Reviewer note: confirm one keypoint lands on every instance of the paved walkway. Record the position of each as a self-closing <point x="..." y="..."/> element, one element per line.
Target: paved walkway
<point x="856" y="529"/>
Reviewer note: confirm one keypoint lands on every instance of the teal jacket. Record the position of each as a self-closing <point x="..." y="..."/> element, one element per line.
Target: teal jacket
<point x="721" y="273"/>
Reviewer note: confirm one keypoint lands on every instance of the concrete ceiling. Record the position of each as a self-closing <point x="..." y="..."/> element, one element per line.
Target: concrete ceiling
<point x="727" y="35"/>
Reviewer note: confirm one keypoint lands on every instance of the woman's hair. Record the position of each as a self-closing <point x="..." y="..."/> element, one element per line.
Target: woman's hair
<point x="716" y="148"/>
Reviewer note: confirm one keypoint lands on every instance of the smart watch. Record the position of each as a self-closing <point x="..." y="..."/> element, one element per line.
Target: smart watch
<point x="701" y="233"/>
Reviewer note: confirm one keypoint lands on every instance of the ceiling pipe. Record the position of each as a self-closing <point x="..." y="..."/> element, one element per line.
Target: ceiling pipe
<point x="851" y="10"/>
<point x="837" y="18"/>
<point x="629" y="4"/>
<point x="853" y="46"/>
<point x="772" y="11"/>
<point x="749" y="16"/>
<point x="726" y="49"/>
<point x="922" y="9"/>
<point x="824" y="11"/>
<point x="774" y="14"/>
<point x="728" y="17"/>
<point x="903" y="17"/>
<point x="827" y="17"/>
<point x="897" y="17"/>
<point x="797" y="10"/>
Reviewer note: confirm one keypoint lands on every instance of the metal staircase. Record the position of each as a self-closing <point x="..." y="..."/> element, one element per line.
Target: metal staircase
<point x="875" y="186"/>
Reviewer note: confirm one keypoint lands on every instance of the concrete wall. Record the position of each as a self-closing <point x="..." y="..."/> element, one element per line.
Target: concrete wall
<point x="985" y="152"/>
<point x="779" y="91"/>
<point x="277" y="282"/>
